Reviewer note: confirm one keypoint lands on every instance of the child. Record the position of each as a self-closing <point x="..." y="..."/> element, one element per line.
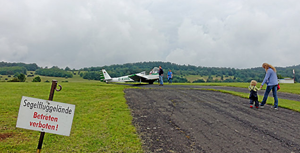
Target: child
<point x="253" y="93"/>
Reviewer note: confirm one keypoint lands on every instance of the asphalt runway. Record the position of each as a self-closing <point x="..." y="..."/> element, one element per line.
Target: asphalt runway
<point x="181" y="119"/>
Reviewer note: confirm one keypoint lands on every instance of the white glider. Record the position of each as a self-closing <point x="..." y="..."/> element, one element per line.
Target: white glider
<point x="138" y="77"/>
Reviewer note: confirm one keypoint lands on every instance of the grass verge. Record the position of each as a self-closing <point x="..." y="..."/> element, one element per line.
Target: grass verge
<point x="284" y="103"/>
<point x="285" y="87"/>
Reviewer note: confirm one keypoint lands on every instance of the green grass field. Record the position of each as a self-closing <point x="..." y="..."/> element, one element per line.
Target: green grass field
<point x="102" y="120"/>
<point x="76" y="78"/>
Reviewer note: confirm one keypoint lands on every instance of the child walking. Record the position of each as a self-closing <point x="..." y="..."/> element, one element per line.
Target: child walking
<point x="253" y="94"/>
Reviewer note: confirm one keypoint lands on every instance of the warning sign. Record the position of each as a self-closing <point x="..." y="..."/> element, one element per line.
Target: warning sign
<point x="45" y="116"/>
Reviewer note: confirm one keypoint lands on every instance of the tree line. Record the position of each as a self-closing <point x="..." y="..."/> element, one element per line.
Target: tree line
<point x="28" y="67"/>
<point x="54" y="72"/>
<point x="12" y="70"/>
<point x="179" y="71"/>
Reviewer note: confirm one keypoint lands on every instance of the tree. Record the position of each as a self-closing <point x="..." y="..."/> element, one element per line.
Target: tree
<point x="67" y="69"/>
<point x="22" y="77"/>
<point x="210" y="79"/>
<point x="37" y="79"/>
<point x="16" y="74"/>
<point x="279" y="76"/>
<point x="55" y="72"/>
<point x="199" y="81"/>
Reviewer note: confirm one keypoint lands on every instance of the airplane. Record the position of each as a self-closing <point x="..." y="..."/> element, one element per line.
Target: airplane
<point x="138" y="77"/>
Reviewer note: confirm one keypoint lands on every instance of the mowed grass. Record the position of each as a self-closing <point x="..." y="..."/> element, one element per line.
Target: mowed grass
<point x="284" y="103"/>
<point x="102" y="120"/>
<point x="192" y="78"/>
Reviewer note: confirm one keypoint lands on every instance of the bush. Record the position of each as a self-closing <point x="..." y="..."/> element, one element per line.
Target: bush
<point x="22" y="77"/>
<point x="199" y="81"/>
<point x="177" y="79"/>
<point x="37" y="79"/>
<point x="14" y="80"/>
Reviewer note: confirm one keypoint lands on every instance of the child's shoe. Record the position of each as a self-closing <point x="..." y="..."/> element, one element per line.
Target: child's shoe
<point x="256" y="107"/>
<point x="251" y="106"/>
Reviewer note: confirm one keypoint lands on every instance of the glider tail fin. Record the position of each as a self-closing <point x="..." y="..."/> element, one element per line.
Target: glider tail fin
<point x="106" y="75"/>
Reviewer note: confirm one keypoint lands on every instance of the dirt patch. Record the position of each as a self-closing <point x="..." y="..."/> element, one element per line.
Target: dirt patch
<point x="187" y="120"/>
<point x="4" y="136"/>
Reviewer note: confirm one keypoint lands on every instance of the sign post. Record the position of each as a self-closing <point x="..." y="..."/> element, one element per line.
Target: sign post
<point x="53" y="87"/>
<point x="46" y="115"/>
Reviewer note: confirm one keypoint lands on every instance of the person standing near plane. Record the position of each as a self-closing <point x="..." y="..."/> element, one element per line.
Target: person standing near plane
<point x="151" y="72"/>
<point x="170" y="76"/>
<point x="161" y="75"/>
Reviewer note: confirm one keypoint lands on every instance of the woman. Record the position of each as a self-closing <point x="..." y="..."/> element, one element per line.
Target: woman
<point x="272" y="82"/>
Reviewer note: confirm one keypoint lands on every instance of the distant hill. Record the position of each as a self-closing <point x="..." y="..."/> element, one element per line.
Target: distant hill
<point x="181" y="72"/>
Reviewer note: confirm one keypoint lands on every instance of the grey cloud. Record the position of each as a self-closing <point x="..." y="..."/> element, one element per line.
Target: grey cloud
<point x="205" y="33"/>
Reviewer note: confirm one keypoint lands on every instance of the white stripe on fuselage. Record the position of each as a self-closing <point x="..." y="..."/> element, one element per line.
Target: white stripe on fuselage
<point x="121" y="79"/>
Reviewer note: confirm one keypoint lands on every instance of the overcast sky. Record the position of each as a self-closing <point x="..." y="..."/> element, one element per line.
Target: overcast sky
<point x="211" y="33"/>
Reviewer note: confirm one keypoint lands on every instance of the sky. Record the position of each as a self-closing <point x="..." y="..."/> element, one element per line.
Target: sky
<point x="209" y="33"/>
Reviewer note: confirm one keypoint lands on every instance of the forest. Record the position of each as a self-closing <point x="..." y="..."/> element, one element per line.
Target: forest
<point x="180" y="71"/>
<point x="54" y="72"/>
<point x="12" y="70"/>
<point x="29" y="67"/>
